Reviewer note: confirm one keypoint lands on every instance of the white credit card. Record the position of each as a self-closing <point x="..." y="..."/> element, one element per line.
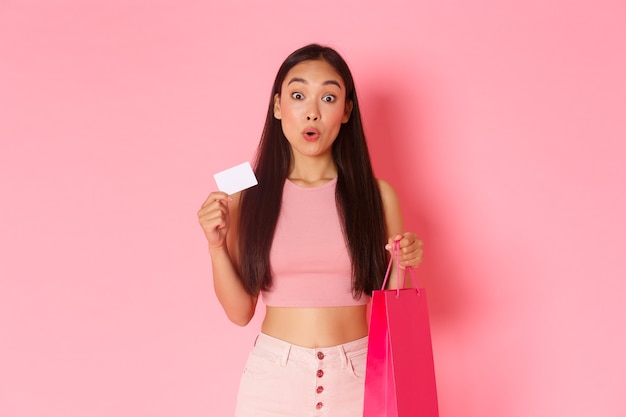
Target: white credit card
<point x="235" y="179"/>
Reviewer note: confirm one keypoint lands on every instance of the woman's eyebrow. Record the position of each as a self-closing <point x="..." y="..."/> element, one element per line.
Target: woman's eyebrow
<point x="303" y="81"/>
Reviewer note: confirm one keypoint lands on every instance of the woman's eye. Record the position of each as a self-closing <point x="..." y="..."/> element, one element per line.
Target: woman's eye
<point x="329" y="98"/>
<point x="297" y="96"/>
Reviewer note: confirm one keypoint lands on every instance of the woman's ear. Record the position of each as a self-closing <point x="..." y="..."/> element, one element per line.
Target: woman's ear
<point x="276" y="106"/>
<point x="347" y="112"/>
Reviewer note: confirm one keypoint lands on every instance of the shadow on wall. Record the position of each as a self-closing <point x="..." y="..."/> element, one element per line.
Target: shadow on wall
<point x="398" y="133"/>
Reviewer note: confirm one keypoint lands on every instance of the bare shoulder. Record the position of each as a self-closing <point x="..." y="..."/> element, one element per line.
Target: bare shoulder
<point x="387" y="192"/>
<point x="391" y="207"/>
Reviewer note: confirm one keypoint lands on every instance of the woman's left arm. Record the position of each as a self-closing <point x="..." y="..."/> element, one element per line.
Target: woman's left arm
<point x="411" y="247"/>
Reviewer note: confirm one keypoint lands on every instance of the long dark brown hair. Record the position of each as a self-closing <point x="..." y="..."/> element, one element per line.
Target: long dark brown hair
<point x="357" y="195"/>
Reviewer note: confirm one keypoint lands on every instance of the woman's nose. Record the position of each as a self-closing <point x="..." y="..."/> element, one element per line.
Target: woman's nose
<point x="313" y="113"/>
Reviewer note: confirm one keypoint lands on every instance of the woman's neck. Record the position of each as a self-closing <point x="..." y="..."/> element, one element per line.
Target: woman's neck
<point x="312" y="171"/>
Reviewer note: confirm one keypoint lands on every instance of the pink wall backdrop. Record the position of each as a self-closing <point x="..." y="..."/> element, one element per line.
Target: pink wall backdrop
<point x="501" y="124"/>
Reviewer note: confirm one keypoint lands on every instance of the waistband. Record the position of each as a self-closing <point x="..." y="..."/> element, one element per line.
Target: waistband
<point x="282" y="352"/>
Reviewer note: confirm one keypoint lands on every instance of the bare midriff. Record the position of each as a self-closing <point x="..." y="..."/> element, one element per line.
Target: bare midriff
<point x="316" y="327"/>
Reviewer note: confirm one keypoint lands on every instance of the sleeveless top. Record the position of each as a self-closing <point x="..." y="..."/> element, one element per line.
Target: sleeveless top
<point x="309" y="258"/>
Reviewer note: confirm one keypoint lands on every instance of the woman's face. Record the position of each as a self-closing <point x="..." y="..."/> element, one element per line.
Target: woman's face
<point x="312" y="107"/>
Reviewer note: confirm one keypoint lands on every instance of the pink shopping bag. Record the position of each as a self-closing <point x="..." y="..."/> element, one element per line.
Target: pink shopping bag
<point x="400" y="373"/>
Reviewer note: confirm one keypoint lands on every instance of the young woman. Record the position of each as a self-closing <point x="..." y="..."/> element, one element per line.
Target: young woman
<point x="310" y="238"/>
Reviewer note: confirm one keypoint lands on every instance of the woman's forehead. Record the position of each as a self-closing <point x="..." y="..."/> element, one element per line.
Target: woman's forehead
<point x="317" y="71"/>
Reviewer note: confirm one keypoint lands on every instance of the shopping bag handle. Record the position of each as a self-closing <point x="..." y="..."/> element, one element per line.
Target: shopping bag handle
<point x="396" y="252"/>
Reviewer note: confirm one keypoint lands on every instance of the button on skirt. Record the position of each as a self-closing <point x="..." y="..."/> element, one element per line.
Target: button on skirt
<point x="285" y="380"/>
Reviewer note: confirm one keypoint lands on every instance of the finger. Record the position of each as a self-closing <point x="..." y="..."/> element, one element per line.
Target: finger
<point x="407" y="243"/>
<point x="412" y="254"/>
<point x="213" y="225"/>
<point x="410" y="242"/>
<point x="212" y="205"/>
<point x="217" y="196"/>
<point x="407" y="248"/>
<point x="408" y="238"/>
<point x="212" y="210"/>
<point x="211" y="217"/>
<point x="413" y="259"/>
<point x="392" y="241"/>
<point x="414" y="251"/>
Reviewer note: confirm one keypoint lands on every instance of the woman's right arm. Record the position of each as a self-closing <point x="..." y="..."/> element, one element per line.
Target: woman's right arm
<point x="219" y="218"/>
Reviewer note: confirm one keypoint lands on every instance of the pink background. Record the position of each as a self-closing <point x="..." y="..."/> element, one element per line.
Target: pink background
<point x="501" y="124"/>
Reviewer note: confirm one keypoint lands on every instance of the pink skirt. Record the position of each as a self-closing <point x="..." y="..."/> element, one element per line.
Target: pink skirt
<point x="281" y="379"/>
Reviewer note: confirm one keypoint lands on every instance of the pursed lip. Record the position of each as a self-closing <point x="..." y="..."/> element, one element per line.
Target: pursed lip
<point x="311" y="134"/>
